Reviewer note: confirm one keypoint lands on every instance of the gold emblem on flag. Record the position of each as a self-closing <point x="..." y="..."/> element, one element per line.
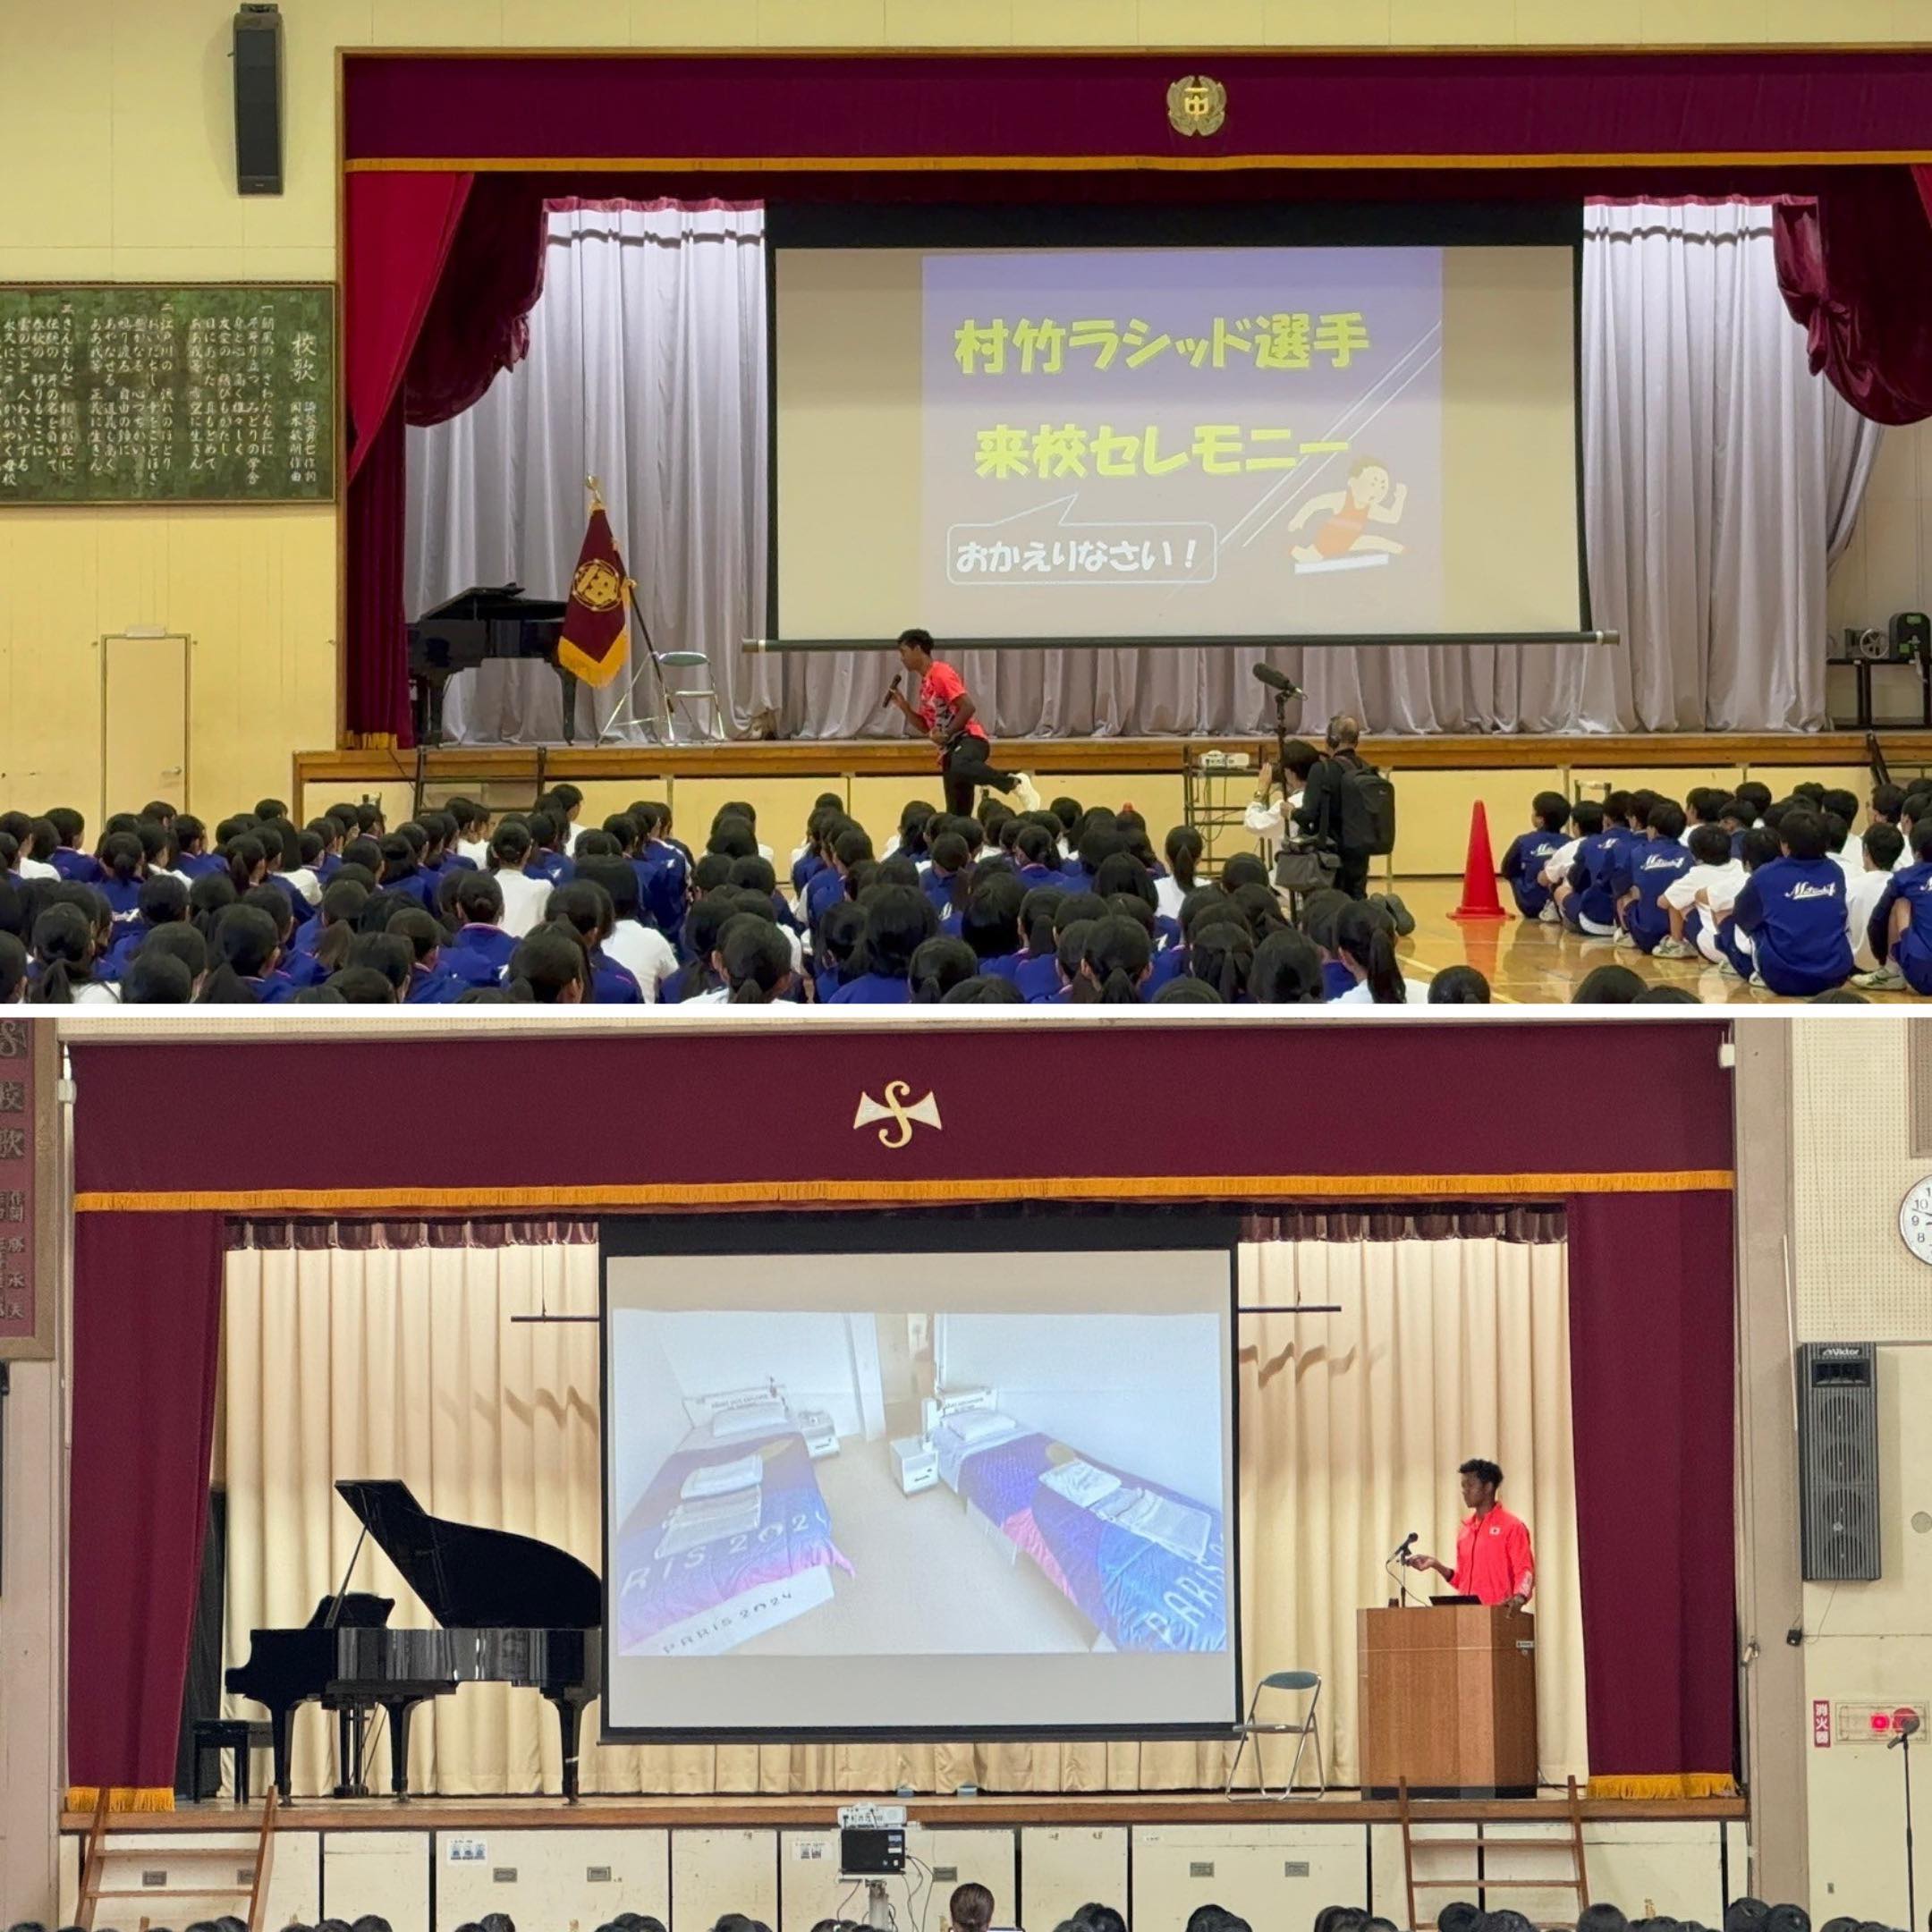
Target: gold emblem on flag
<point x="596" y="586"/>
<point x="1196" y="104"/>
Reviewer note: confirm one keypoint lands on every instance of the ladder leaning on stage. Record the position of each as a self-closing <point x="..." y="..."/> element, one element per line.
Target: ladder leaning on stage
<point x="93" y="1870"/>
<point x="1473" y="1885"/>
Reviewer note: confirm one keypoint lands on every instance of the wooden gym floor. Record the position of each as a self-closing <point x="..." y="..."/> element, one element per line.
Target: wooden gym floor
<point x="1528" y="962"/>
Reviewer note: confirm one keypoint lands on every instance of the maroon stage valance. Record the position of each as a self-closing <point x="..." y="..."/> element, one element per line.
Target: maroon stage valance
<point x="573" y="1124"/>
<point x="928" y="109"/>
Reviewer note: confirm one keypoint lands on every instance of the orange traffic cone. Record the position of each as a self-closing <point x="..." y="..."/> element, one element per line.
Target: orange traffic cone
<point x="1479" y="899"/>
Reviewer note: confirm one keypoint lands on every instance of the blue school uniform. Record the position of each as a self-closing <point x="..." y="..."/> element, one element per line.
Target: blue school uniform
<point x="1039" y="978"/>
<point x="873" y="989"/>
<point x="1167" y="966"/>
<point x="203" y="864"/>
<point x="1005" y="967"/>
<point x="1911" y="951"/>
<point x="75" y="865"/>
<point x="120" y="955"/>
<point x="301" y="969"/>
<point x="1593" y="876"/>
<point x="1166" y="931"/>
<point x="273" y="988"/>
<point x="1794" y="911"/>
<point x="1522" y="866"/>
<point x="477" y="956"/>
<point x="1033" y="877"/>
<point x="325" y="867"/>
<point x="1335" y="980"/>
<point x="827" y="981"/>
<point x="552" y="866"/>
<point x="1647" y="869"/>
<point x="122" y="897"/>
<point x="938" y="886"/>
<point x="430" y="986"/>
<point x="298" y="905"/>
<point x="805" y="870"/>
<point x="822" y="895"/>
<point x="611" y="985"/>
<point x="416" y="883"/>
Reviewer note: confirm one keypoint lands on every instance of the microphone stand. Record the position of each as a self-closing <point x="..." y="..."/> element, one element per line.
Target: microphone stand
<point x="1396" y="1571"/>
<point x="1903" y="1744"/>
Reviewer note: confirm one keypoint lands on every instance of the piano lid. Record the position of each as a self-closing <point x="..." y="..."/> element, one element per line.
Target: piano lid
<point x="472" y="1578"/>
<point x="493" y="602"/>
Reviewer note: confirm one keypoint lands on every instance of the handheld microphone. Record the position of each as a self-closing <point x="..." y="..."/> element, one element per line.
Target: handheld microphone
<point x="891" y="691"/>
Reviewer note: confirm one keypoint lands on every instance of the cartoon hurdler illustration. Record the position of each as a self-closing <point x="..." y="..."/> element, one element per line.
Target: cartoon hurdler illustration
<point x="1371" y="497"/>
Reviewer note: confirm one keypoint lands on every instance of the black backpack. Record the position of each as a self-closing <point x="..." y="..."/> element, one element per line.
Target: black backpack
<point x="1375" y="802"/>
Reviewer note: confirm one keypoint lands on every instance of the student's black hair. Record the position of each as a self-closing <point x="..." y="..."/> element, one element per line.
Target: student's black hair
<point x="984" y="989"/>
<point x="1667" y="818"/>
<point x="1837" y="800"/>
<point x="1121" y="872"/>
<point x="509" y="845"/>
<point x="244" y="853"/>
<point x="1755" y="794"/>
<point x="853" y="845"/>
<point x="242" y="943"/>
<point x="735" y="838"/>
<point x="756" y="873"/>
<point x="386" y="952"/>
<point x="156" y="979"/>
<point x="1459" y="985"/>
<point x="270" y="808"/>
<point x="840" y="933"/>
<point x="42" y="840"/>
<point x="1885" y="801"/>
<point x="1116" y="959"/>
<point x="1187" y="992"/>
<point x="1709" y="844"/>
<point x="122" y="855"/>
<point x="545" y="830"/>
<point x="567" y="795"/>
<point x="1608" y="986"/>
<point x="548" y="966"/>
<point x="1802" y="833"/>
<point x="1758" y="847"/>
<point x="1773" y="815"/>
<point x="1917" y="804"/>
<point x="1242" y="868"/>
<point x="1883" y="843"/>
<point x="1837" y="830"/>
<point x="67" y="823"/>
<point x="1034" y="844"/>
<point x="756" y="958"/>
<point x="12" y="968"/>
<point x="1922" y="840"/>
<point x="1037" y="912"/>
<point x="162" y="898"/>
<point x="1222" y="953"/>
<point x="1550" y="810"/>
<point x="711" y="874"/>
<point x="179" y="941"/>
<point x="702" y="925"/>
<point x="1286" y="970"/>
<point x="1588" y="817"/>
<point x="940" y="964"/>
<point x="1366" y="934"/>
<point x="1616" y="808"/>
<point x="897" y="920"/>
<point x="363" y="986"/>
<point x="991" y="924"/>
<point x="63" y="944"/>
<point x="1810" y="790"/>
<point x="277" y="904"/>
<point x="419" y="930"/>
<point x="616" y="879"/>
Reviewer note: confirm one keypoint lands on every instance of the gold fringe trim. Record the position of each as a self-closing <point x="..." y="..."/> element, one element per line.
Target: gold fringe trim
<point x="369" y="741"/>
<point x="121" y="1798"/>
<point x="596" y="672"/>
<point x="415" y="1200"/>
<point x="1666" y="1784"/>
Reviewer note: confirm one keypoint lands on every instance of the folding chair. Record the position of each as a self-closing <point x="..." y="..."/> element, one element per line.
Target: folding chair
<point x="1287" y="1680"/>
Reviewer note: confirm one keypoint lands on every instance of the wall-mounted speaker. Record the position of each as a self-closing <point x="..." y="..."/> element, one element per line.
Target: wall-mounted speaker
<point x="1838" y="1461"/>
<point x="257" y="99"/>
<point x="1911" y="636"/>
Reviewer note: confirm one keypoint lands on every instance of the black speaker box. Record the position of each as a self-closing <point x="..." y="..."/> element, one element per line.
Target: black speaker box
<point x="1911" y="636"/>
<point x="257" y="100"/>
<point x="1838" y="1461"/>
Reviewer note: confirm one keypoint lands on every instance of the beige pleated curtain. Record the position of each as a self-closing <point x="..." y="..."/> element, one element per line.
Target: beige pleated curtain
<point x="378" y="1362"/>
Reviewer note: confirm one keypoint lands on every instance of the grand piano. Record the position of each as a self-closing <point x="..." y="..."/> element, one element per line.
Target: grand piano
<point x="485" y="620"/>
<point x="509" y="1609"/>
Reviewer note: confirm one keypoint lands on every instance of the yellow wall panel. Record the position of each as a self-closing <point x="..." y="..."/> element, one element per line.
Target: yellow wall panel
<point x="935" y="23"/>
<point x="1203" y="24"/>
<point x="1322" y="23"/>
<point x="694" y="23"/>
<point x="1710" y="22"/>
<point x="821" y="23"/>
<point x="1076" y="23"/>
<point x="1452" y="22"/>
<point x="441" y="22"/>
<point x="55" y="128"/>
<point x="599" y="23"/>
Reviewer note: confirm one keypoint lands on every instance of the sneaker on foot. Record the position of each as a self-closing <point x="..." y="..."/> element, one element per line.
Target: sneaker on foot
<point x="1549" y="916"/>
<point x="1673" y="949"/>
<point x="1404" y="918"/>
<point x="1623" y="940"/>
<point x="1881" y="979"/>
<point x="1026" y="792"/>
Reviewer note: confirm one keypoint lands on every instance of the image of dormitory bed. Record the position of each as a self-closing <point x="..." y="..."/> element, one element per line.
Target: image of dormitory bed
<point x="916" y="1484"/>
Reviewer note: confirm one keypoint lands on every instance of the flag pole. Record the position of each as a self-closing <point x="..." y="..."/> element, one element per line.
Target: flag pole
<point x="664" y="690"/>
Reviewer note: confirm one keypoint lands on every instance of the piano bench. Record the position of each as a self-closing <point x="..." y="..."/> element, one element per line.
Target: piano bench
<point x="218" y="1735"/>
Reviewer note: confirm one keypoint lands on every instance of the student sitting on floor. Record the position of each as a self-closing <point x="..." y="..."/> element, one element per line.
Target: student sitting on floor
<point x="1646" y="867"/>
<point x="1220" y="954"/>
<point x="479" y="951"/>
<point x="897" y="920"/>
<point x="1365" y="938"/>
<point x="1529" y="852"/>
<point x="1901" y="927"/>
<point x="1583" y="896"/>
<point x="1115" y="962"/>
<point x="1459" y="985"/>
<point x="1701" y="897"/>
<point x="1794" y="911"/>
<point x="1880" y="849"/>
<point x="754" y="960"/>
<point x="524" y="895"/>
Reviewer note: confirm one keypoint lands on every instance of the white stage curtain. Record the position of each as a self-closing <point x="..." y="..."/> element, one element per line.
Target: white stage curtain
<point x="1720" y="478"/>
<point x="406" y="1364"/>
<point x="646" y="371"/>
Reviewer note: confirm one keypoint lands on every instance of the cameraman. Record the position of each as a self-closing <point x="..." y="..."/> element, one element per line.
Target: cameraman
<point x="1332" y="811"/>
<point x="1283" y="785"/>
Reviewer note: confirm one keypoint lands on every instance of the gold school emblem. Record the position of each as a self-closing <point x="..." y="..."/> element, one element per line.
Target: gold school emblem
<point x="1197" y="105"/>
<point x="895" y="1109"/>
<point x="596" y="586"/>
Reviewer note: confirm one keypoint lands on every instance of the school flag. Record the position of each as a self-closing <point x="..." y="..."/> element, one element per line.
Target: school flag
<point x="597" y="634"/>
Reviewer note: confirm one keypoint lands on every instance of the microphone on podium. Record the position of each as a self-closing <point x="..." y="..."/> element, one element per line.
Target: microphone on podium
<point x="1407" y="1544"/>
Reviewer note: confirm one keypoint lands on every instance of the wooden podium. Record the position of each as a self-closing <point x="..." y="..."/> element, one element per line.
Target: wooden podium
<point x="1448" y="1701"/>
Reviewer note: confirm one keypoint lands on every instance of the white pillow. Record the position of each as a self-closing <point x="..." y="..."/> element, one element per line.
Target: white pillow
<point x="754" y="1419"/>
<point x="975" y="1426"/>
